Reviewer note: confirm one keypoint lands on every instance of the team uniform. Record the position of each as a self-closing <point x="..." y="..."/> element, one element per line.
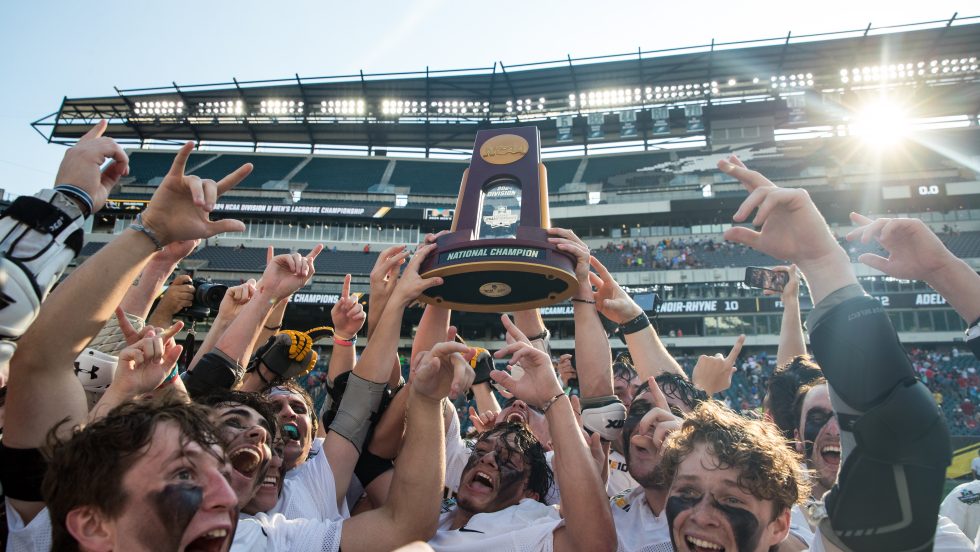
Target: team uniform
<point x="31" y="537"/>
<point x="619" y="476"/>
<point x="275" y="533"/>
<point x="309" y="490"/>
<point x="526" y="527"/>
<point x="637" y="528"/>
<point x="962" y="507"/>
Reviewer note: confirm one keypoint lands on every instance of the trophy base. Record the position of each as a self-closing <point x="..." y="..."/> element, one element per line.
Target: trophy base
<point x="503" y="275"/>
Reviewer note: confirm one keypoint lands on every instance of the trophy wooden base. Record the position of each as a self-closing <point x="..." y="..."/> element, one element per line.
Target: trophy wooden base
<point x="499" y="275"/>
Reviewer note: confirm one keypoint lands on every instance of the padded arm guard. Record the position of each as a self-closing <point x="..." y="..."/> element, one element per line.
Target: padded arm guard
<point x="39" y="236"/>
<point x="215" y="370"/>
<point x="358" y="410"/>
<point x="895" y="444"/>
<point x="604" y="415"/>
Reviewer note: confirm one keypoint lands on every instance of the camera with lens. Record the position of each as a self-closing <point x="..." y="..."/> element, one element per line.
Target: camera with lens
<point x="207" y="296"/>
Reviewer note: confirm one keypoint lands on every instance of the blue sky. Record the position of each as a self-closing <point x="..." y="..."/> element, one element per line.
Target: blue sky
<point x="52" y="49"/>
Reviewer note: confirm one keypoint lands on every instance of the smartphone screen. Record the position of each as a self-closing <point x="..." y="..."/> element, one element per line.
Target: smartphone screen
<point x="763" y="278"/>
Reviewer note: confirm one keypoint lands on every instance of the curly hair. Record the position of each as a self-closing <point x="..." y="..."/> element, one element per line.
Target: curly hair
<point x="88" y="468"/>
<point x="783" y="385"/>
<point x="519" y="437"/>
<point x="767" y="468"/>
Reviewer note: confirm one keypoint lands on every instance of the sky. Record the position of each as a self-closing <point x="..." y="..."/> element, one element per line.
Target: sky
<point x="53" y="49"/>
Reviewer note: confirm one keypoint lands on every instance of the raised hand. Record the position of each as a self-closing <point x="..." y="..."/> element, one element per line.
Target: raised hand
<point x="610" y="299"/>
<point x="178" y="296"/>
<point x="287" y="273"/>
<point x="410" y="285"/>
<point x="538" y="383"/>
<point x="483" y="422"/>
<point x="131" y="335"/>
<point x="713" y="374"/>
<point x="443" y="371"/>
<point x="235" y="298"/>
<point x="792" y="288"/>
<point x="181" y="205"/>
<point x="144" y="365"/>
<point x="384" y="275"/>
<point x="914" y="251"/>
<point x="566" y="372"/>
<point x="654" y="427"/>
<point x="82" y="164"/>
<point x="790" y="225"/>
<point x="567" y="241"/>
<point x="347" y="314"/>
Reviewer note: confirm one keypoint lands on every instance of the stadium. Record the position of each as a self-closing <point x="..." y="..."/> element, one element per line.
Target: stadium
<point x="881" y="121"/>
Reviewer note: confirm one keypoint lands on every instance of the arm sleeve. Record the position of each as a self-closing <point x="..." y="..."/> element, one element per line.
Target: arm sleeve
<point x="895" y="444"/>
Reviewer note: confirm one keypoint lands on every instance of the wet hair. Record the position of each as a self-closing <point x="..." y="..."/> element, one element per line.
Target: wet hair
<point x="677" y="387"/>
<point x="767" y="468"/>
<point x="255" y="401"/>
<point x="293" y="387"/>
<point x="622" y="367"/>
<point x="518" y="436"/>
<point x="88" y="468"/>
<point x="782" y="388"/>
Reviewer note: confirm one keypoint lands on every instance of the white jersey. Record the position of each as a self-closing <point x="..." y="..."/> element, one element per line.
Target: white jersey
<point x="275" y="533"/>
<point x="799" y="525"/>
<point x="637" y="528"/>
<point x="962" y="507"/>
<point x="309" y="490"/>
<point x="31" y="537"/>
<point x="526" y="527"/>
<point x="619" y="476"/>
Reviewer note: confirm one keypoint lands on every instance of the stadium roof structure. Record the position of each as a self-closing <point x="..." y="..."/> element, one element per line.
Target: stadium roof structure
<point x="582" y="103"/>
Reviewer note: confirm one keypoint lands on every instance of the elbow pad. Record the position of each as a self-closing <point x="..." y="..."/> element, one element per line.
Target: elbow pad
<point x="214" y="371"/>
<point x="359" y="410"/>
<point x="604" y="415"/>
<point x="39" y="236"/>
<point x="894" y="438"/>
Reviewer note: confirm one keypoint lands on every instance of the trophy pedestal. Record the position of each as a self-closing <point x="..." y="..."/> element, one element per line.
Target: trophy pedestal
<point x="498" y="275"/>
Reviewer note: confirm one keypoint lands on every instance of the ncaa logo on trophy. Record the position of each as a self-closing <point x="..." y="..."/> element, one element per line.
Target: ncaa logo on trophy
<point x="496" y="257"/>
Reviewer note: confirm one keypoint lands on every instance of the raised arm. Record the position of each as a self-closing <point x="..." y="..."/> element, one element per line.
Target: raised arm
<point x="593" y="356"/>
<point x="348" y="317"/>
<point x="366" y="384"/>
<point x="584" y="503"/>
<point x="43" y="390"/>
<point x="146" y="289"/>
<point x="894" y="441"/>
<point x="649" y="354"/>
<point x="412" y="509"/>
<point x="792" y="342"/>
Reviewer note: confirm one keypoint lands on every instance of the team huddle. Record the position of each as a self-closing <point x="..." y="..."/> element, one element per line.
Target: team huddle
<point x="110" y="443"/>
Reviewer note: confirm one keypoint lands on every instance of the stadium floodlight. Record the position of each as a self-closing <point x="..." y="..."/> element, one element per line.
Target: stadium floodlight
<point x="881" y="123"/>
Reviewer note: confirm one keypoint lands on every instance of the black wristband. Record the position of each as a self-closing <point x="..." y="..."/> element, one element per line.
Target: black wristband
<point x="543" y="335"/>
<point x="637" y="324"/>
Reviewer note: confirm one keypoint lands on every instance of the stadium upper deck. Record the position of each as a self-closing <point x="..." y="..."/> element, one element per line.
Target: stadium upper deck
<point x="719" y="94"/>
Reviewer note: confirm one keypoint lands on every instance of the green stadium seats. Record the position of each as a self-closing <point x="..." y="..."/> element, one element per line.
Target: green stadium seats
<point x="333" y="174"/>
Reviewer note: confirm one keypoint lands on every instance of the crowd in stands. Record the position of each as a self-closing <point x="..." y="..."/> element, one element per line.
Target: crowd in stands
<point x="115" y="439"/>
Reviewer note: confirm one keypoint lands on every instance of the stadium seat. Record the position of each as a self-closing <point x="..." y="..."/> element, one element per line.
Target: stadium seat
<point x="333" y="174"/>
